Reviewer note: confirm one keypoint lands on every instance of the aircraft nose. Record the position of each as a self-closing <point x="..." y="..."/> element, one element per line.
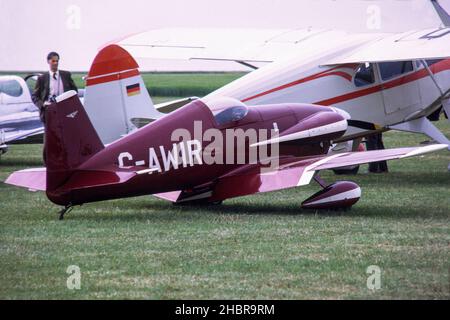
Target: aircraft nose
<point x="341" y="112"/>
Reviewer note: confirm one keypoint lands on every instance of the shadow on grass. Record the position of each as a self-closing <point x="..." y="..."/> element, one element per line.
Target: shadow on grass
<point x="147" y="208"/>
<point x="436" y="179"/>
<point x="159" y="211"/>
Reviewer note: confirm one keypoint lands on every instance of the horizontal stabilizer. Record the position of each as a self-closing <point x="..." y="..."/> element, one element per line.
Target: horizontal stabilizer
<point x="167" y="107"/>
<point x="32" y="179"/>
<point x="35" y="179"/>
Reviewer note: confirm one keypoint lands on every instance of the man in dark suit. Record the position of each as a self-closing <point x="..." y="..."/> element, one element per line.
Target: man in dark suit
<point x="51" y="84"/>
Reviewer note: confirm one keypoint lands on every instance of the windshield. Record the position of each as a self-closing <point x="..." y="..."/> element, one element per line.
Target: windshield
<point x="11" y="88"/>
<point x="231" y="114"/>
<point x="364" y="75"/>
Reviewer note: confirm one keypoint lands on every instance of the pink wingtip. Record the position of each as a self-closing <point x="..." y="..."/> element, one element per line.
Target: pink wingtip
<point x="32" y="179"/>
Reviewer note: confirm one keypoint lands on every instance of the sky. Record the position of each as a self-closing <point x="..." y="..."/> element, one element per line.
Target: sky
<point x="76" y="29"/>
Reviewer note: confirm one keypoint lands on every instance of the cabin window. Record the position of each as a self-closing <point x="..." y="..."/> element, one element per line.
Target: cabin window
<point x="390" y="70"/>
<point x="364" y="75"/>
<point x="11" y="88"/>
<point x="231" y="115"/>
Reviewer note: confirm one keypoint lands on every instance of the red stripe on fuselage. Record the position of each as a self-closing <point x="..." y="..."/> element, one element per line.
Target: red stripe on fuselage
<point x="303" y="80"/>
<point x="435" y="68"/>
<point x="342" y="74"/>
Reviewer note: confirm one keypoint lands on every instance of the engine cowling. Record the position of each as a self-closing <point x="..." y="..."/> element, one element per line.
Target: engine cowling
<point x="338" y="195"/>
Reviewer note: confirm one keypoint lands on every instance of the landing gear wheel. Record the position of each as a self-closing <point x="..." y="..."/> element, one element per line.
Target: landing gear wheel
<point x="338" y="196"/>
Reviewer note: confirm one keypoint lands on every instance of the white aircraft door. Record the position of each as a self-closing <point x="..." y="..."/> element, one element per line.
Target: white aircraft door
<point x="398" y="91"/>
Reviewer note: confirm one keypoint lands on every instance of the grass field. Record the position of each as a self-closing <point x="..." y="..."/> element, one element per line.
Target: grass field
<point x="261" y="246"/>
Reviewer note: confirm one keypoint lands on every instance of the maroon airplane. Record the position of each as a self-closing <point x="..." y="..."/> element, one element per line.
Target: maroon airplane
<point x="179" y="156"/>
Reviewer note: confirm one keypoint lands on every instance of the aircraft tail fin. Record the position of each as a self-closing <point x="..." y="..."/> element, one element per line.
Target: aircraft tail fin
<point x="70" y="138"/>
<point x="116" y="93"/>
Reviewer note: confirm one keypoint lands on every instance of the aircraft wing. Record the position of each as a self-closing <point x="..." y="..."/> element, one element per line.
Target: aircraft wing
<point x="165" y="107"/>
<point x="413" y="45"/>
<point x="206" y="44"/>
<point x="291" y="172"/>
<point x="6" y="137"/>
<point x="249" y="46"/>
<point x="246" y="46"/>
<point x="20" y="125"/>
<point x="296" y="172"/>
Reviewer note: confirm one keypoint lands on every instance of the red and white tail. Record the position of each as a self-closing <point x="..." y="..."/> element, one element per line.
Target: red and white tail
<point x="115" y="94"/>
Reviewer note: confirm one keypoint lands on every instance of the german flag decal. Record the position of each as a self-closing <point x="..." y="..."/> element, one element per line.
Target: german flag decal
<point x="133" y="89"/>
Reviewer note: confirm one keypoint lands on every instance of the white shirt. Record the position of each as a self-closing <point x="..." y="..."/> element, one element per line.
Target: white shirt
<point x="56" y="86"/>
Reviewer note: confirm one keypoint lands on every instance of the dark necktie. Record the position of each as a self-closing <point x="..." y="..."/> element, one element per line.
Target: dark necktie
<point x="54" y="75"/>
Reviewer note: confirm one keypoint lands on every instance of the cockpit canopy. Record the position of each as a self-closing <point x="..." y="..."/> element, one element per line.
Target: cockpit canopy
<point x="231" y="114"/>
<point x="227" y="110"/>
<point x="11" y="87"/>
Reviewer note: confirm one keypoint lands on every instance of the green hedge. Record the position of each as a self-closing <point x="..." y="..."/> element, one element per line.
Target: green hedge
<point x="180" y="84"/>
<point x="173" y="84"/>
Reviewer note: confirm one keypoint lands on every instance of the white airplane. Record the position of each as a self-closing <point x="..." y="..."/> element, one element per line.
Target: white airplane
<point x="383" y="80"/>
<point x="19" y="117"/>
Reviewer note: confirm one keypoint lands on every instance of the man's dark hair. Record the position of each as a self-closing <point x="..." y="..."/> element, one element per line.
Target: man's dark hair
<point x="52" y="54"/>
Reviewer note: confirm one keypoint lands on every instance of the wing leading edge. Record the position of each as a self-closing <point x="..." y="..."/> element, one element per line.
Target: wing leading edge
<point x="265" y="46"/>
<point x="294" y="172"/>
<point x="414" y="45"/>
